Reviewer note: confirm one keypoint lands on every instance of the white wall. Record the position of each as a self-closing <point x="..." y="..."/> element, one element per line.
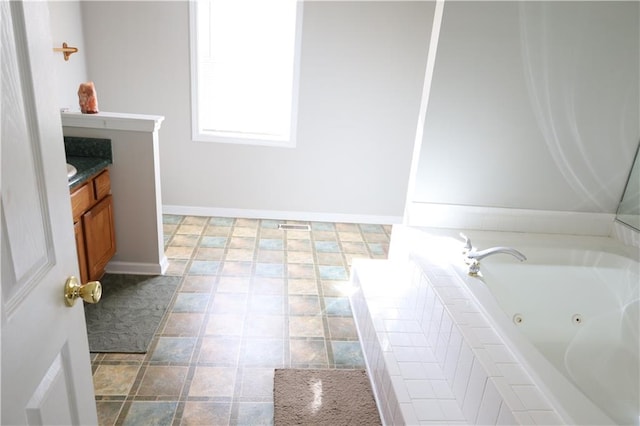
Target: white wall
<point x="362" y="69"/>
<point x="66" y="26"/>
<point x="534" y="105"/>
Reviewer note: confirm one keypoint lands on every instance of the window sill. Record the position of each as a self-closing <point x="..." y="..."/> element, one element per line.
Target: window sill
<point x="243" y="140"/>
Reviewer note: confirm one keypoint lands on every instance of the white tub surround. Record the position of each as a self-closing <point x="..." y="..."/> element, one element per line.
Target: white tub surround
<point x="135" y="184"/>
<point x="437" y="352"/>
<point x="434" y="215"/>
<point x="625" y="234"/>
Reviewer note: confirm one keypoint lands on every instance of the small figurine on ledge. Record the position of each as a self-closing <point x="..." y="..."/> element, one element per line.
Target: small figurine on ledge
<point x="88" y="98"/>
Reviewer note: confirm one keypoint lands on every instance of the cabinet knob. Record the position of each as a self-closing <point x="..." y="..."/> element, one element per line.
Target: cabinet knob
<point x="90" y="292"/>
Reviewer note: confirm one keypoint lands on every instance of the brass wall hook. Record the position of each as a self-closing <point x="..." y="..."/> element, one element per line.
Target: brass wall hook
<point x="66" y="50"/>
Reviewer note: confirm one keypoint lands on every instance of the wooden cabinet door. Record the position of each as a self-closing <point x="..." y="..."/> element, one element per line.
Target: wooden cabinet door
<point x="102" y="185"/>
<point x="82" y="251"/>
<point x="81" y="200"/>
<point x="99" y="236"/>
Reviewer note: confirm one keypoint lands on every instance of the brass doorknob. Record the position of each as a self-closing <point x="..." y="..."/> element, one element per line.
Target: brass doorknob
<point x="89" y="292"/>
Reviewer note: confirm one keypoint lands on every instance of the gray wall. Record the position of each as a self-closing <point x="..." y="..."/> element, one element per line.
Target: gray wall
<point x="534" y="105"/>
<point x="362" y="69"/>
<point x="66" y="26"/>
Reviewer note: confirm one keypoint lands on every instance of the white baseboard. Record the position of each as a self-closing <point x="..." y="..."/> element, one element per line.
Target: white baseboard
<point x="511" y="220"/>
<point x="117" y="267"/>
<point x="281" y="215"/>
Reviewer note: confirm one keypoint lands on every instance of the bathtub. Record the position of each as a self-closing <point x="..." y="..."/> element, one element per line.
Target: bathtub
<point x="567" y="318"/>
<point x="579" y="308"/>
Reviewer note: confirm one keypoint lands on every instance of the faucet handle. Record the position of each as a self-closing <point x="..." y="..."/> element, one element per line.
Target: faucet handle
<point x="467" y="244"/>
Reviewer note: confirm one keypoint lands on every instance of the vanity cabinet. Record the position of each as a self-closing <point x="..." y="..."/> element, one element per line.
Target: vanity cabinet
<point x="92" y="208"/>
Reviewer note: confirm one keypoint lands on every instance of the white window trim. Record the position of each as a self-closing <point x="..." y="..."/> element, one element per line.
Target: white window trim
<point x="198" y="136"/>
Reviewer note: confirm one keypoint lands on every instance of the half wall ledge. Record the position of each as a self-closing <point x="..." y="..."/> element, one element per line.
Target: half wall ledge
<point x="112" y="121"/>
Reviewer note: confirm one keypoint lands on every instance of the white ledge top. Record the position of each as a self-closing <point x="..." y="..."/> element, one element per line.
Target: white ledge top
<point x="112" y="121"/>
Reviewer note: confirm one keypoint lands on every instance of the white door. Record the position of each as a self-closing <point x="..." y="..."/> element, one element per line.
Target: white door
<point x="45" y="366"/>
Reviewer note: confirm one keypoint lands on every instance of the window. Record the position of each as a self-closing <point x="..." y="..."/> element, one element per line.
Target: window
<point x="244" y="70"/>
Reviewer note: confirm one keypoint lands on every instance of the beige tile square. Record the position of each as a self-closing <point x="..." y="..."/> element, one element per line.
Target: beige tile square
<point x="173" y="252"/>
<point x="268" y="285"/>
<point x="247" y="223"/>
<point x="195" y="220"/>
<point x="304" y="305"/>
<point x="217" y="231"/>
<point x="229" y="303"/>
<point x="239" y="254"/>
<point x="271" y="233"/>
<point x="183" y="324"/>
<point x="355" y="247"/>
<point x="244" y="232"/>
<point x="206" y="413"/>
<point x="302" y="286"/>
<point x="342" y="328"/>
<point x="301" y="270"/>
<point x="163" y="381"/>
<point x="220" y="350"/>
<point x="184" y="240"/>
<point x="330" y="259"/>
<point x="265" y="326"/>
<point x="236" y="268"/>
<point x="190" y="229"/>
<point x="169" y="228"/>
<point x="114" y="379"/>
<point x="299" y="244"/>
<point x="270" y="256"/>
<point x="232" y="284"/>
<point x="306" y="326"/>
<point x="108" y="411"/>
<point x="297" y="235"/>
<point x="213" y="382"/>
<point x="257" y="382"/>
<point x="308" y="352"/>
<point x="242" y="242"/>
<point x="259" y="352"/>
<point x="376" y="238"/>
<point x="225" y="325"/>
<point x="198" y="283"/>
<point x="350" y="236"/>
<point x="336" y="288"/>
<point x="325" y="236"/>
<point x="209" y="253"/>
<point x="299" y="257"/>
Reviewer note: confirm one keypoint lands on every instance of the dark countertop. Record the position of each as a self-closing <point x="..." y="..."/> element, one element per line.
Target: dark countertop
<point x="87" y="167"/>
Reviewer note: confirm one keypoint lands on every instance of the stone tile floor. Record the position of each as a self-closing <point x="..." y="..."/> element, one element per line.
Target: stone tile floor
<point x="252" y="298"/>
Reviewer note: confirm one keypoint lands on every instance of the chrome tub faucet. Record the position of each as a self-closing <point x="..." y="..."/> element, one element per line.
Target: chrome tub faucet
<point x="472" y="256"/>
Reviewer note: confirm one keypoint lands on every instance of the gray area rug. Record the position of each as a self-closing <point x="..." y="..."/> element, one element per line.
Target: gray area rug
<point x="128" y="315"/>
<point x="323" y="397"/>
